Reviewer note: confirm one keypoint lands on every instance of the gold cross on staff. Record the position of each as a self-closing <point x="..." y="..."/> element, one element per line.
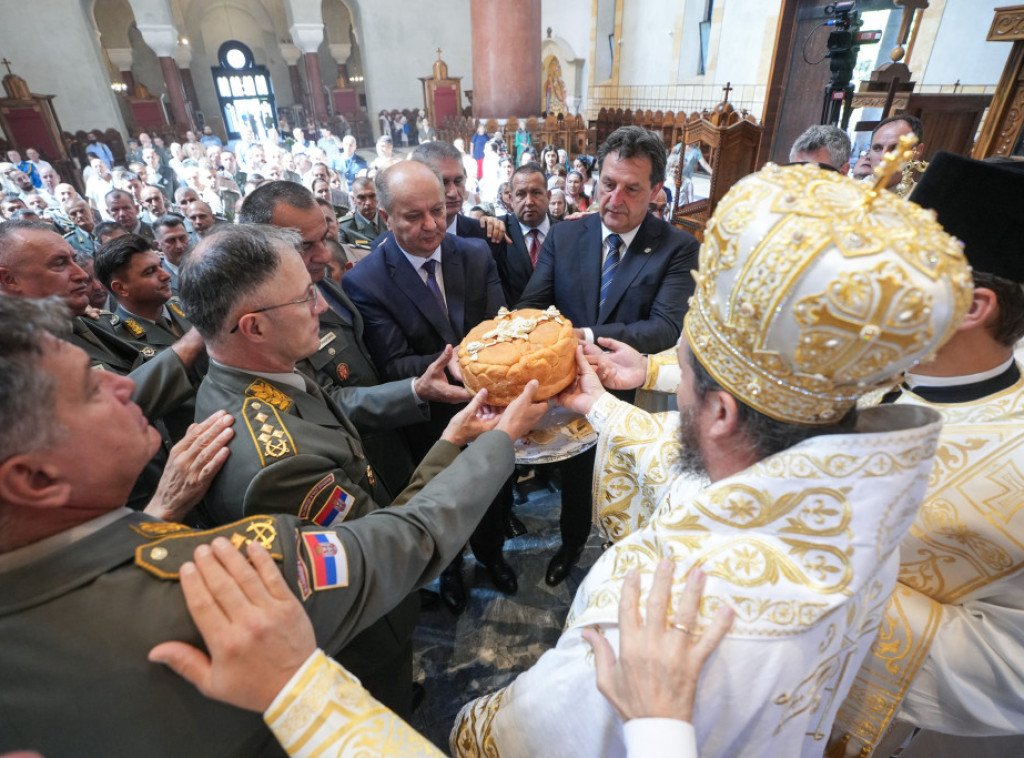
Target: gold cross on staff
<point x="7" y="63"/>
<point x="727" y="89"/>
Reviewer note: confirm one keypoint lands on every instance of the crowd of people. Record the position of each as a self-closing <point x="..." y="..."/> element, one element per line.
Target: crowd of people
<point x="249" y="351"/>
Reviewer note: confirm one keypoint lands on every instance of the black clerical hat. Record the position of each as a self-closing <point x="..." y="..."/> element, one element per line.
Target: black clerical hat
<point x="979" y="203"/>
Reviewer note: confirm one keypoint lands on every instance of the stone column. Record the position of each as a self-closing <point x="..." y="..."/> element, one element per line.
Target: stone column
<point x="121" y="58"/>
<point x="163" y="39"/>
<point x="308" y="38"/>
<point x="183" y="59"/>
<point x="291" y="55"/>
<point x="506" y="58"/>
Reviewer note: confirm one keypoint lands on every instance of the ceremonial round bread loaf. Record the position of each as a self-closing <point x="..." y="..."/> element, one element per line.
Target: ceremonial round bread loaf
<point x="504" y="353"/>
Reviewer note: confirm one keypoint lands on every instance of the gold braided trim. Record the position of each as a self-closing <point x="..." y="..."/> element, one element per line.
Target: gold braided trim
<point x="654" y="365"/>
<point x="471" y="735"/>
<point x="908" y="627"/>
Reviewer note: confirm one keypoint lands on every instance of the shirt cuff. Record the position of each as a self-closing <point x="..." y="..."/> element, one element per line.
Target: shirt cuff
<point x="659" y="738"/>
<point x="412" y="386"/>
<point x="588" y="334"/>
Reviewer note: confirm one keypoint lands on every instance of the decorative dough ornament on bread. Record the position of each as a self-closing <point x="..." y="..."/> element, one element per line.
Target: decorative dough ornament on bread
<point x="504" y="353"/>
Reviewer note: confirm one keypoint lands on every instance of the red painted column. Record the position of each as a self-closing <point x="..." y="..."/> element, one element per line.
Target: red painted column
<point x="175" y="91"/>
<point x="316" y="90"/>
<point x="506" y="58"/>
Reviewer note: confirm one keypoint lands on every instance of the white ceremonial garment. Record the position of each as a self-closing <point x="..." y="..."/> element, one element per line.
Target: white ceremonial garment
<point x="950" y="653"/>
<point x="803" y="545"/>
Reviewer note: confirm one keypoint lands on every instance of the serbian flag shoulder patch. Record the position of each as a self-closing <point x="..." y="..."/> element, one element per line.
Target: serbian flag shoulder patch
<point x="327" y="559"/>
<point x="338" y="504"/>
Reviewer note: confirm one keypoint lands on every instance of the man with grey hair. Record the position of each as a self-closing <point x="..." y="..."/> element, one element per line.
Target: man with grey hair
<point x="73" y="445"/>
<point x="421" y="291"/>
<point x="828" y="146"/>
<point x="341" y="365"/>
<point x="250" y="295"/>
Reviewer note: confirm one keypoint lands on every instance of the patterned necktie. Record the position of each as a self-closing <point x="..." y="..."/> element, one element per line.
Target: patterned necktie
<point x="611" y="263"/>
<point x="534" y="246"/>
<point x="431" y="268"/>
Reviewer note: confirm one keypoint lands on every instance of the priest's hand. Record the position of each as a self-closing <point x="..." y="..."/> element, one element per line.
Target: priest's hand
<point x="191" y="466"/>
<point x="434" y="386"/>
<point x="659" y="661"/>
<point x="256" y="630"/>
<point x="618" y="366"/>
<point x="581" y="395"/>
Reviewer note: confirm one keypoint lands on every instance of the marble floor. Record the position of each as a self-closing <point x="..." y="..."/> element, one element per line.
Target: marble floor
<point x="458" y="658"/>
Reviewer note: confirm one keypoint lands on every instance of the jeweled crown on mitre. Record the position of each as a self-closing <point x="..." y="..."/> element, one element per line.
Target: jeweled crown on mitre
<point x="814" y="289"/>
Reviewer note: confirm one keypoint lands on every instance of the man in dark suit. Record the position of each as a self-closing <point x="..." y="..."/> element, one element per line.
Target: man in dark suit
<point x="517" y="259"/>
<point x="342" y="366"/>
<point x="420" y="290"/>
<point x="622" y="274"/>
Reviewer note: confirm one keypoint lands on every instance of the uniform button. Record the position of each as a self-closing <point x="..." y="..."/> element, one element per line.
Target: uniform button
<point x="331" y="351"/>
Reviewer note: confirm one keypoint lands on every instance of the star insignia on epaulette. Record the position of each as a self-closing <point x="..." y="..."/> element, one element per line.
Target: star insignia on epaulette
<point x="267" y="430"/>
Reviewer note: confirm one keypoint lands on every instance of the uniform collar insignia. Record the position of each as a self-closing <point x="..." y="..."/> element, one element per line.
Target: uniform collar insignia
<point x="268" y="393"/>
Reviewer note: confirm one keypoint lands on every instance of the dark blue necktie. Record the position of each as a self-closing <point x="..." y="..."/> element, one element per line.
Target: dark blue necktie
<point x="431" y="268"/>
<point x="611" y="263"/>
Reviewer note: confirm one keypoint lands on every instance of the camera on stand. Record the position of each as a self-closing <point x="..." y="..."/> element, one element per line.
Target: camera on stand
<point x="843" y="47"/>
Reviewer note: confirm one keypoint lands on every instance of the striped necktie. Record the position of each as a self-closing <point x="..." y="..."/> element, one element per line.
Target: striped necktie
<point x="611" y="263"/>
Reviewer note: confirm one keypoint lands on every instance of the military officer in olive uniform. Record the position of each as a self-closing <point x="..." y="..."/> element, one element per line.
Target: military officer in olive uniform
<point x="77" y="571"/>
<point x="364" y="224"/>
<point x="80" y="237"/>
<point x="341" y="365"/>
<point x="249" y="294"/>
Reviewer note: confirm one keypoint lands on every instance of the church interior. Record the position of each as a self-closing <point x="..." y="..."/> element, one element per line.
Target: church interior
<point x="740" y="79"/>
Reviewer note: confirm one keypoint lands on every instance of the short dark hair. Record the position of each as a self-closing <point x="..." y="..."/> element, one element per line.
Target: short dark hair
<point x="635" y="142"/>
<point x="915" y="124"/>
<point x="258" y="206"/>
<point x="225" y="268"/>
<point x="117" y="253"/>
<point x="765" y="435"/>
<point x="104" y="228"/>
<point x="168" y="221"/>
<point x="1009" y="324"/>
<point x="530" y="168"/>
<point x="115" y="193"/>
<point x="27" y="391"/>
<point x="432" y="152"/>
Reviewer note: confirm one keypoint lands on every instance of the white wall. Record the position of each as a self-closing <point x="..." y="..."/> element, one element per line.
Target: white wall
<point x="399" y="39"/>
<point x="645" y="52"/>
<point x="960" y="51"/>
<point x="53" y="46"/>
<point x="744" y="35"/>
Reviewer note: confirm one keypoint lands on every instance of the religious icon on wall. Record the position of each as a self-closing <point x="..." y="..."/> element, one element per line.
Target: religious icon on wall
<point x="554" y="87"/>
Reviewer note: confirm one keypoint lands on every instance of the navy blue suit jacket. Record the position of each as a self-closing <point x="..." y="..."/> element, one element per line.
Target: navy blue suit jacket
<point x="649" y="294"/>
<point x="405" y="329"/>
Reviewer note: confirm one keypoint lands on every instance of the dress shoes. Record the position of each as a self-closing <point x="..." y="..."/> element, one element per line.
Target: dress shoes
<point x="503" y="577"/>
<point x="561" y="564"/>
<point x="514" y="527"/>
<point x="453" y="592"/>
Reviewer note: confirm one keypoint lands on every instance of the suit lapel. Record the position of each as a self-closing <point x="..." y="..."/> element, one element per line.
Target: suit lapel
<point x="637" y="256"/>
<point x="407" y="281"/>
<point x="589" y="267"/>
<point x="454" y="271"/>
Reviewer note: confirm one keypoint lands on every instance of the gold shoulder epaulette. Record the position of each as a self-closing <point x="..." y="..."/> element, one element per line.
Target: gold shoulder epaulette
<point x="175" y="305"/>
<point x="163" y="556"/>
<point x="267" y="430"/>
<point x="268" y="393"/>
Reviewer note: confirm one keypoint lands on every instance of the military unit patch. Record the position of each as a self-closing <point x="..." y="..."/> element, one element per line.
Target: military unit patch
<point x="338" y="504"/>
<point x="301" y="572"/>
<point x="311" y="496"/>
<point x="327" y="559"/>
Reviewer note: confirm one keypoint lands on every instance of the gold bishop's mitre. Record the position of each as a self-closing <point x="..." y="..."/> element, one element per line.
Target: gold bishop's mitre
<point x="814" y="289"/>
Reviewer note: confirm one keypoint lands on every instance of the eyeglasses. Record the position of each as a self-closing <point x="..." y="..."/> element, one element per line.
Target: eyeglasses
<point x="655" y="208"/>
<point x="312" y="296"/>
